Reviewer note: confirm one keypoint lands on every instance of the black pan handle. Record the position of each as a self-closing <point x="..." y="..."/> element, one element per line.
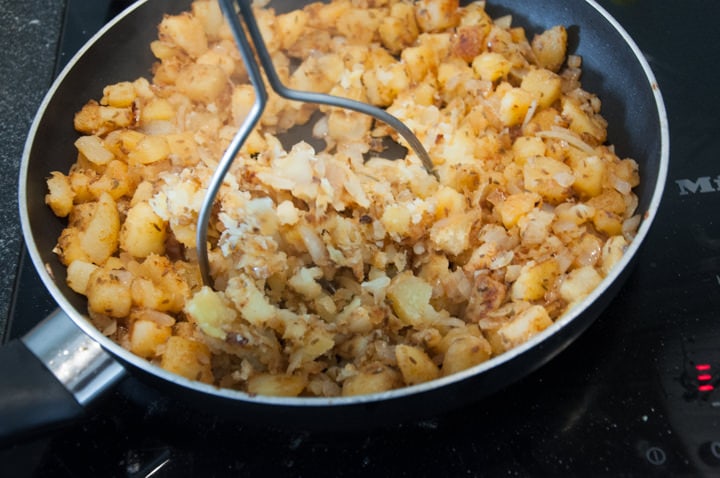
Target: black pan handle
<point x="49" y="376"/>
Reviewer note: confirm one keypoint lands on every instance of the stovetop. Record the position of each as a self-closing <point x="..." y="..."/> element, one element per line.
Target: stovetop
<point x="636" y="395"/>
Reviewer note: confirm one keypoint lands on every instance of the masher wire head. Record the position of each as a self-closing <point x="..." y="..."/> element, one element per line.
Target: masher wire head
<point x="243" y="41"/>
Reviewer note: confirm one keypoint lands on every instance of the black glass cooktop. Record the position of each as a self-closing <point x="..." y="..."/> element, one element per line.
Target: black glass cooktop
<point x="636" y="395"/>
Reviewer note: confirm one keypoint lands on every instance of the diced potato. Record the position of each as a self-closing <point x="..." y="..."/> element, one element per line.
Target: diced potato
<point x="359" y="26"/>
<point x="119" y="95"/>
<point x="579" y="283"/>
<point x="157" y="109"/>
<point x="548" y="177"/>
<point x="78" y="275"/>
<point x="146" y="336"/>
<point x="188" y="358"/>
<point x="535" y="280"/>
<point x="452" y="234"/>
<point x="252" y="304"/>
<point x="383" y="84"/>
<point x="514" y="106"/>
<point x="582" y="123"/>
<point x="396" y="219"/>
<point x="150" y="149"/>
<point x="60" y="194"/>
<point x="202" y="83"/>
<point x="145" y="293"/>
<point x="590" y="173"/>
<point x="464" y="352"/>
<point x="210" y="17"/>
<point x="527" y="324"/>
<point x="115" y="181"/>
<point x="516" y="206"/>
<point x="185" y="31"/>
<point x="491" y="66"/>
<point x="550" y="48"/>
<point x="276" y="385"/>
<point x="99" y="239"/>
<point x="612" y="252"/>
<point x="435" y="15"/>
<point x="143" y="232"/>
<point x="160" y="284"/>
<point x="545" y="86"/>
<point x="96" y="119"/>
<point x="526" y="147"/>
<point x="212" y="312"/>
<point x="410" y="299"/>
<point x="108" y="292"/>
<point x="415" y="365"/>
<point x="399" y="29"/>
<point x="290" y="27"/>
<point x="376" y="380"/>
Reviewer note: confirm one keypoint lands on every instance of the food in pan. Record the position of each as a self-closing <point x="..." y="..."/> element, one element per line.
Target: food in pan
<point x="337" y="272"/>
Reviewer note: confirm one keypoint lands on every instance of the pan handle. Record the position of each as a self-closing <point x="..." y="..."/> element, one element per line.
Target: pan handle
<point x="49" y="376"/>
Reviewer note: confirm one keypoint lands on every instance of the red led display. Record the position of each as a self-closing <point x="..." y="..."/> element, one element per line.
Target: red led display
<point x="704" y="377"/>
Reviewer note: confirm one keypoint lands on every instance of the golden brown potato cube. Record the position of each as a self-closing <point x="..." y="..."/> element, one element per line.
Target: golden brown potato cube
<point x="550" y="48"/>
<point x="60" y="194"/>
<point x="276" y="385"/>
<point x="452" y="234"/>
<point x="210" y="17"/>
<point x="379" y="379"/>
<point x="548" y="177"/>
<point x="590" y="173"/>
<point x="514" y="106"/>
<point x="526" y="147"/>
<point x="609" y="200"/>
<point x="212" y="312"/>
<point x="399" y="29"/>
<point x="516" y="206"/>
<point x="527" y="324"/>
<point x="545" y="85"/>
<point x="96" y="119"/>
<point x="579" y="283"/>
<point x="119" y="95"/>
<point x="99" y="239"/>
<point x="115" y="181"/>
<point x="188" y="358"/>
<point x="410" y="299"/>
<point x="93" y="149"/>
<point x="415" y="365"/>
<point x="69" y="248"/>
<point x="464" y="352"/>
<point x="146" y="336"/>
<point x="108" y="292"/>
<point x="157" y="109"/>
<point x="396" y="220"/>
<point x="78" y="275"/>
<point x="150" y="149"/>
<point x="185" y="31"/>
<point x="607" y="222"/>
<point x="612" y="252"/>
<point x="490" y="66"/>
<point x="436" y="15"/>
<point x="143" y="232"/>
<point x="202" y="83"/>
<point x="535" y="280"/>
<point x="582" y="123"/>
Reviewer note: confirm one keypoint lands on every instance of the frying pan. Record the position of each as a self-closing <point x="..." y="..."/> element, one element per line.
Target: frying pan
<point x="65" y="363"/>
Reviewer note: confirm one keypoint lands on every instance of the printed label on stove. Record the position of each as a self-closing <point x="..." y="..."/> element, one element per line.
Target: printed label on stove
<point x="703" y="184"/>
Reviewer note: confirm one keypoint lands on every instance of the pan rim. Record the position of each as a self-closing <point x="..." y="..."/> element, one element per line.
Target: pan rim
<point x="126" y="356"/>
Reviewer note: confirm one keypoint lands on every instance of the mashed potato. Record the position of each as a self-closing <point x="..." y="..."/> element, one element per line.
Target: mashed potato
<point x="338" y="272"/>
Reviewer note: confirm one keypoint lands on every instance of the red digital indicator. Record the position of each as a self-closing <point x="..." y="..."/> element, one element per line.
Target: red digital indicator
<point x="704" y="377"/>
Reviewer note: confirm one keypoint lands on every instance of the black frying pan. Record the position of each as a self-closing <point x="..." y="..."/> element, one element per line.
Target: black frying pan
<point x="47" y="377"/>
